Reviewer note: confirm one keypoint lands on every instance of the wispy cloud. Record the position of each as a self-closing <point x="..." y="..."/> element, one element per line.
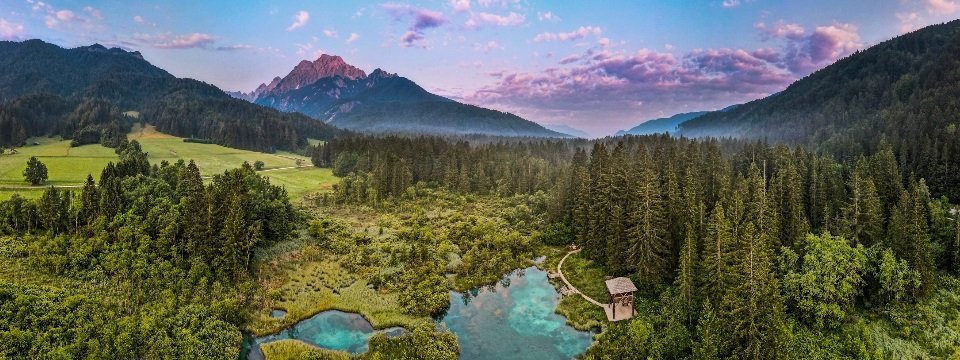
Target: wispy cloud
<point x="548" y="16"/>
<point x="483" y="18"/>
<point x="170" y="41"/>
<point x="942" y="6"/>
<point x="353" y="37"/>
<point x="577" y="34"/>
<point x="460" y="5"/>
<point x="730" y="3"/>
<point x="93" y="12"/>
<point x="299" y="20"/>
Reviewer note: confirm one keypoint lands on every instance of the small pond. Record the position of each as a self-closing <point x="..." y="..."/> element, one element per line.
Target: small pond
<point x="513" y="319"/>
<point x="335" y="330"/>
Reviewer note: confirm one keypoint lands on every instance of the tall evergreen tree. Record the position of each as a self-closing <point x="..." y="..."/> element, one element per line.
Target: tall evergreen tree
<point x="686" y="275"/>
<point x="909" y="234"/>
<point x="89" y="201"/>
<point x="648" y="243"/>
<point x="863" y="214"/>
<point x="716" y="258"/>
<point x="753" y="308"/>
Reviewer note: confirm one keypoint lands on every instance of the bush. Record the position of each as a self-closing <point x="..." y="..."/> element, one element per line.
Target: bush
<point x="557" y="234"/>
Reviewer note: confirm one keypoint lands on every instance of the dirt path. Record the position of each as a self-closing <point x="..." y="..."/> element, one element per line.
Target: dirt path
<point x="569" y="285"/>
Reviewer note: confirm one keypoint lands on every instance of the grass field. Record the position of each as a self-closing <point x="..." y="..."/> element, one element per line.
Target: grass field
<point x="69" y="166"/>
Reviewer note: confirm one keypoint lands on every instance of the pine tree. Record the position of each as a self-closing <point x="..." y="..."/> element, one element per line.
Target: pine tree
<point x="909" y="234"/>
<point x="622" y="202"/>
<point x="787" y="194"/>
<point x="886" y="175"/>
<point x="862" y="215"/>
<point x="954" y="265"/>
<point x="760" y="210"/>
<point x="753" y="309"/>
<point x="648" y="243"/>
<point x="194" y="206"/>
<point x="89" y="201"/>
<point x="686" y="274"/>
<point x="233" y="239"/>
<point x="600" y="187"/>
<point x="716" y="258"/>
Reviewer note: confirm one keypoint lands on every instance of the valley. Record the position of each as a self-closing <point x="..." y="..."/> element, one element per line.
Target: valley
<point x="339" y="212"/>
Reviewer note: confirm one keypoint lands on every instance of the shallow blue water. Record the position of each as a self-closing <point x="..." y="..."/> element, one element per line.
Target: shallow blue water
<point x="513" y="319"/>
<point x="335" y="330"/>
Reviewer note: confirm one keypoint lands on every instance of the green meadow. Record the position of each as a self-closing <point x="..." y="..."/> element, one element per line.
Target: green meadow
<point x="69" y="166"/>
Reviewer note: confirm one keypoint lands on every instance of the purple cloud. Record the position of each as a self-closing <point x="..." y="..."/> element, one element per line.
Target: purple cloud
<point x="625" y="87"/>
<point x="422" y="19"/>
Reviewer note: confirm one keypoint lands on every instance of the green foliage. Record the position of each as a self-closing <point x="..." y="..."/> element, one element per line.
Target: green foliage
<point x="36" y="172"/>
<point x="827" y="280"/>
<point x="258" y="165"/>
<point x="425" y="342"/>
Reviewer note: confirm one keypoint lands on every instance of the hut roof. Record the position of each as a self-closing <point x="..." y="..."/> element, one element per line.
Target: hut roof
<point x="620" y="285"/>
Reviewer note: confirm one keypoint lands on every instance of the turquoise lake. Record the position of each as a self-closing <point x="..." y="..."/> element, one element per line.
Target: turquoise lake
<point x="335" y="330"/>
<point x="513" y="319"/>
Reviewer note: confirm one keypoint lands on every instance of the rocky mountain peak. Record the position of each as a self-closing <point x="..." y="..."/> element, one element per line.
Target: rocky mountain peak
<point x="308" y="72"/>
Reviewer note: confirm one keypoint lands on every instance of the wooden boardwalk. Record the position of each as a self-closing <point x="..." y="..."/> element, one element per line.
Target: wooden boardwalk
<point x="623" y="312"/>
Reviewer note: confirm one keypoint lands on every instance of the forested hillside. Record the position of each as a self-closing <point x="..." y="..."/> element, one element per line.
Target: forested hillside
<point x="740" y="249"/>
<point x="80" y="93"/>
<point x="147" y="263"/>
<point x="904" y="90"/>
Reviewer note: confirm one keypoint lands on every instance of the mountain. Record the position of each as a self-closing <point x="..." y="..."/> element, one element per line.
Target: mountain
<point x="80" y="94"/>
<point x="342" y="95"/>
<point x="905" y="91"/>
<point x="569" y="130"/>
<point x="661" y="125"/>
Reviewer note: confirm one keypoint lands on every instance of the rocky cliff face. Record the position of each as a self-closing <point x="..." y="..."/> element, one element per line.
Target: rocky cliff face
<point x="306" y="73"/>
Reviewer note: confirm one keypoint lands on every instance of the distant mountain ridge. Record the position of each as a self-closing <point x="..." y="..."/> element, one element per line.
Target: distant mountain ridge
<point x="666" y="125"/>
<point x="330" y="90"/>
<point x="569" y="130"/>
<point x="80" y="93"/>
<point x="904" y="91"/>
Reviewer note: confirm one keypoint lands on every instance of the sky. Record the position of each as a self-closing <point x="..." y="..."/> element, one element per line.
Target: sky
<point x="592" y="65"/>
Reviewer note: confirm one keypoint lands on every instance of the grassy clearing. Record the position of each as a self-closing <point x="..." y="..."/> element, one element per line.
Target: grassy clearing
<point x="69" y="166"/>
<point x="212" y="159"/>
<point x="304" y="283"/>
<point x="65" y="165"/>
<point x="295" y="349"/>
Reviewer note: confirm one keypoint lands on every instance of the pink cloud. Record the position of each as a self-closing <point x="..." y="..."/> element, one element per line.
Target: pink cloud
<point x="169" y="41"/>
<point x="625" y="87"/>
<point x="483" y="18"/>
<point x="580" y="33"/>
<point x="299" y="20"/>
<point x="460" y="5"/>
<point x="942" y="6"/>
<point x="780" y="30"/>
<point x="10" y="31"/>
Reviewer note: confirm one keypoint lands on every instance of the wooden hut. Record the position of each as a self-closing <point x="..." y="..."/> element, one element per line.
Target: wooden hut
<point x="621" y="299"/>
